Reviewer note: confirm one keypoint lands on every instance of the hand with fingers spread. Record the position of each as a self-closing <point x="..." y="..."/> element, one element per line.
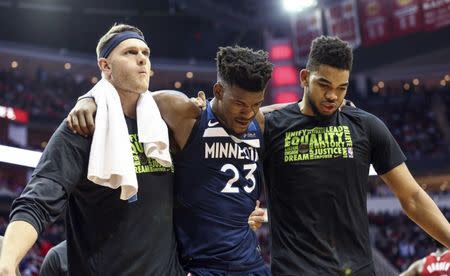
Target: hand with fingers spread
<point x="257" y="217"/>
<point x="81" y="118"/>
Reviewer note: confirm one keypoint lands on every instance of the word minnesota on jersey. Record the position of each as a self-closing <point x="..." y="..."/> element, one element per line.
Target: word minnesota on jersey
<point x="230" y="150"/>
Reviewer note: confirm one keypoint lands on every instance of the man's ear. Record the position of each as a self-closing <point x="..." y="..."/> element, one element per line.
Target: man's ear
<point x="304" y="77"/>
<point x="104" y="66"/>
<point x="218" y="90"/>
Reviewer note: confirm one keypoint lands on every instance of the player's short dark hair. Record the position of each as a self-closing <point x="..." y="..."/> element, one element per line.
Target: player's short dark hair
<point x="244" y="67"/>
<point x="332" y="51"/>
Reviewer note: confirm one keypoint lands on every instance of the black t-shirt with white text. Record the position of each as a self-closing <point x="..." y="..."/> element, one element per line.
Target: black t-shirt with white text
<point x="317" y="173"/>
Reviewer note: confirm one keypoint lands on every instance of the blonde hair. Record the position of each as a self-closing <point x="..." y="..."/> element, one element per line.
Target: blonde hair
<point x="115" y="29"/>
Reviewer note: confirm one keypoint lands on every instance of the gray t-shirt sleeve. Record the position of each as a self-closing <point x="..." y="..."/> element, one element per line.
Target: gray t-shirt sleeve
<point x="55" y="262"/>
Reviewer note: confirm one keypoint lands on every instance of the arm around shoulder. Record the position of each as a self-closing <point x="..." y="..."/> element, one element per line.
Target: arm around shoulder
<point x="175" y="105"/>
<point x="179" y="113"/>
<point x="81" y="119"/>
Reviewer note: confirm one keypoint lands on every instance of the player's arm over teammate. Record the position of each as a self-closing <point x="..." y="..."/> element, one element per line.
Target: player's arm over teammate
<point x="177" y="110"/>
<point x="173" y="105"/>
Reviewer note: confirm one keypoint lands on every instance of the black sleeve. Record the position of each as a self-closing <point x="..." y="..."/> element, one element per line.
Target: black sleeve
<point x="61" y="168"/>
<point x="385" y="151"/>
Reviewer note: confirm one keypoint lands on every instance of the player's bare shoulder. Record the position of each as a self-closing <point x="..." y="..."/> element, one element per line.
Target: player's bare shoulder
<point x="179" y="112"/>
<point x="176" y="105"/>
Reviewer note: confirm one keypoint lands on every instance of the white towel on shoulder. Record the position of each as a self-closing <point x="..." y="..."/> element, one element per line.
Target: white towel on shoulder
<point x="111" y="160"/>
<point x="156" y="143"/>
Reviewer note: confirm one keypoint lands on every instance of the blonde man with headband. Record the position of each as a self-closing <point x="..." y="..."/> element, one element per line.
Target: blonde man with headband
<point x="105" y="235"/>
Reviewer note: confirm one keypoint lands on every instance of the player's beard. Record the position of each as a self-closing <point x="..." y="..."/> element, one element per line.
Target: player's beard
<point x="318" y="115"/>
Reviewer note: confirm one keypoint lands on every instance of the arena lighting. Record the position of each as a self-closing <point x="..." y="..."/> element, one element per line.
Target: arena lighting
<point x="17" y="156"/>
<point x="406" y="86"/>
<point x="286" y="97"/>
<point x="284" y="75"/>
<point x="281" y="52"/>
<point x="298" y="5"/>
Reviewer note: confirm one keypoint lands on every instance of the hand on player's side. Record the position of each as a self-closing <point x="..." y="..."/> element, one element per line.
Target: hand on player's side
<point x="257" y="217"/>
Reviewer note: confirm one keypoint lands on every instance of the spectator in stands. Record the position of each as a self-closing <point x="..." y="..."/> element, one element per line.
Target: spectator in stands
<point x="435" y="264"/>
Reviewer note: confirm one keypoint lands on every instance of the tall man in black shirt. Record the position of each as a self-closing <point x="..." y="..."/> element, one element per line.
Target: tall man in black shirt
<point x="105" y="235"/>
<point x="317" y="162"/>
